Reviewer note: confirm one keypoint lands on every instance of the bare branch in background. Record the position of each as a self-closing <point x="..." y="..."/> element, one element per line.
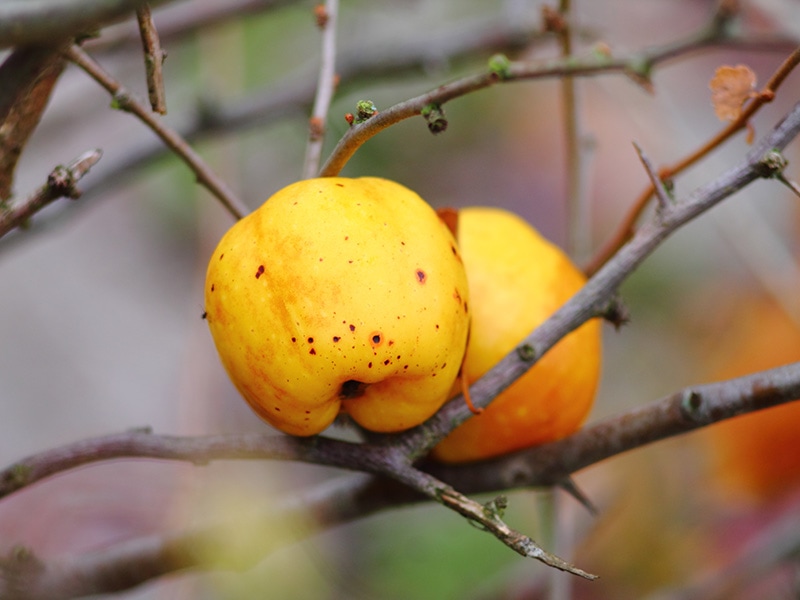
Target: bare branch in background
<point x="61" y="183"/>
<point x="326" y="16"/>
<point x="27" y="78"/>
<point x="153" y="60"/>
<point x="125" y="101"/>
<point x="639" y="64"/>
<point x="629" y="222"/>
<point x="24" y="22"/>
<point x="179" y="20"/>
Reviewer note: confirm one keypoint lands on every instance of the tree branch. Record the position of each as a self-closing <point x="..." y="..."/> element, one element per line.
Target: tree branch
<point x="766" y="95"/>
<point x="598" y="296"/>
<point x="327" y="17"/>
<point x="346" y="499"/>
<point x="125" y="101"/>
<point x="24" y="22"/>
<point x="639" y="66"/>
<point x="61" y="183"/>
<point x="153" y="59"/>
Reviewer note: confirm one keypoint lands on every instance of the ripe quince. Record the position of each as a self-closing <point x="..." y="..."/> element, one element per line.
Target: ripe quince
<point x="517" y="280"/>
<point x="340" y="294"/>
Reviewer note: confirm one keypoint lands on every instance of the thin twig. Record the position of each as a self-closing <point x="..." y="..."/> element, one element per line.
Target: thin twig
<point x="576" y="205"/>
<point x="594" y="64"/>
<point x="661" y="191"/>
<point x="327" y="16"/>
<point x="153" y="59"/>
<point x="61" y="183"/>
<point x="125" y="101"/>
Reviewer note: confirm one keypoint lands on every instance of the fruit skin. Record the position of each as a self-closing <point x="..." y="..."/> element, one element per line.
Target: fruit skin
<point x="517" y="280"/>
<point x="340" y="294"/>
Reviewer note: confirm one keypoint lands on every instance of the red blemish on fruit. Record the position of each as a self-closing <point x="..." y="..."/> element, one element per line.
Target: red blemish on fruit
<point x="312" y="351"/>
<point x="212" y="287"/>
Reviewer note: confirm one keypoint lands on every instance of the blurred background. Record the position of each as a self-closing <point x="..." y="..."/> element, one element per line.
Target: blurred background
<point x="101" y="328"/>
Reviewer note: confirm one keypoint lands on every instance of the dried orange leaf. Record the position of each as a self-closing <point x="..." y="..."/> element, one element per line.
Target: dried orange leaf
<point x="730" y="87"/>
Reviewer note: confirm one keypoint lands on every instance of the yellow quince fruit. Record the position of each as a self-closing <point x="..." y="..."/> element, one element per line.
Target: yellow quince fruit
<point x="340" y="294"/>
<point x="517" y="280"/>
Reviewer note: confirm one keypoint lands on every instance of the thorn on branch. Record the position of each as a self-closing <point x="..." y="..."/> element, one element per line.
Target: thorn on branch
<point x="568" y="485"/>
<point x="662" y="194"/>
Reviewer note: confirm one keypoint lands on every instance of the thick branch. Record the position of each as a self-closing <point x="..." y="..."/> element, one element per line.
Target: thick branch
<point x="598" y="296"/>
<point x="676" y="414"/>
<point x="344" y="500"/>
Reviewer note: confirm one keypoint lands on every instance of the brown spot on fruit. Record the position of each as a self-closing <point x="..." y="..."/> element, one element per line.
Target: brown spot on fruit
<point x="376" y="338"/>
<point x="312" y="351"/>
<point x="421" y="276"/>
<point x="212" y="287"/>
<point x="386" y="362"/>
<point x="294" y="339"/>
<point x="352" y="327"/>
<point x="336" y="338"/>
<point x="310" y="340"/>
<point x="259" y="271"/>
